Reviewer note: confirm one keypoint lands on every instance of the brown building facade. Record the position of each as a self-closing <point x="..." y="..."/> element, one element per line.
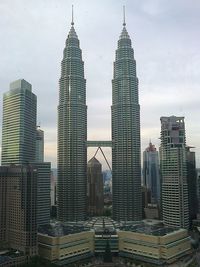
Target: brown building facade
<point x="18" y="220"/>
<point x="95" y="187"/>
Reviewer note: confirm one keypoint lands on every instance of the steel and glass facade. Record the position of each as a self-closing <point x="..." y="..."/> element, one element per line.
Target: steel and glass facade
<point x="151" y="172"/>
<point x="39" y="155"/>
<point x="174" y="172"/>
<point x="126" y="163"/>
<point x="72" y="133"/>
<point x="23" y="144"/>
<point x="19" y="124"/>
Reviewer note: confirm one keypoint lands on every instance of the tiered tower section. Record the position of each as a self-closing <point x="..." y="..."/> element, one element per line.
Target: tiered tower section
<point x="126" y="164"/>
<point x="72" y="133"/>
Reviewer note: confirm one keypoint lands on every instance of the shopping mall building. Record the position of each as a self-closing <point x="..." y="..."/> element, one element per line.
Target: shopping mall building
<point x="146" y="241"/>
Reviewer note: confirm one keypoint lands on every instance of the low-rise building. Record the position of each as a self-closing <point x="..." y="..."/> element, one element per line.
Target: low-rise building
<point x="153" y="243"/>
<point x="147" y="241"/>
<point x="12" y="258"/>
<point x="64" y="244"/>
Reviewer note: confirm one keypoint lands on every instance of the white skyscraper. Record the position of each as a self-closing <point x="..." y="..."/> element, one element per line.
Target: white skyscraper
<point x="174" y="172"/>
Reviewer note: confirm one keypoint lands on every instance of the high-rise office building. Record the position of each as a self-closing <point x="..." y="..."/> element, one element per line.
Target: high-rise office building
<point x="126" y="163"/>
<point x="192" y="184"/>
<point x="39" y="145"/>
<point x="53" y="187"/>
<point x="21" y="143"/>
<point x="174" y="172"/>
<point x="18" y="207"/>
<point x="54" y="193"/>
<point x="151" y="175"/>
<point x="95" y="187"/>
<point x="19" y="124"/>
<point x="72" y="133"/>
<point x="44" y="181"/>
<point x="43" y="192"/>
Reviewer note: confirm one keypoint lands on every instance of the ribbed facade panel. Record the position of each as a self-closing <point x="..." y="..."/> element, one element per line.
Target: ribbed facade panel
<point x="72" y="134"/>
<point x="126" y="163"/>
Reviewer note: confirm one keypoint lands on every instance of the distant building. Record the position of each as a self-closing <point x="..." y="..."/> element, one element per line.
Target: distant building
<point x="107" y="181"/>
<point x="39" y="145"/>
<point x="174" y="172"/>
<point x="152" y="211"/>
<point x="198" y="190"/>
<point x="44" y="181"/>
<point x="151" y="175"/>
<point x="192" y="184"/>
<point x="53" y="187"/>
<point x="43" y="192"/>
<point x="95" y="187"/>
<point x="19" y="124"/>
<point x="146" y="198"/>
<point x="18" y="207"/>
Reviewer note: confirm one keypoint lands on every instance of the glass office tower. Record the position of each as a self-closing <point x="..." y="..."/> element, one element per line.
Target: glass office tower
<point x="19" y="124"/>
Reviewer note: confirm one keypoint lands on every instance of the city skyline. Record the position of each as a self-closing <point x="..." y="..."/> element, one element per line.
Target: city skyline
<point x="165" y="40"/>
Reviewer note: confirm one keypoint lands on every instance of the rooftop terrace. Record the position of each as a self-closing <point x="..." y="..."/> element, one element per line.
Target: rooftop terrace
<point x="106" y="224"/>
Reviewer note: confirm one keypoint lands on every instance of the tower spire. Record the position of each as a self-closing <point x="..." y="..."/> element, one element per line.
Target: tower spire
<point x="124" y="17"/>
<point x="72" y="23"/>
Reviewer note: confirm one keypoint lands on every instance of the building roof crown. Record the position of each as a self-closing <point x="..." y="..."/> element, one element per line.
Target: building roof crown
<point x="94" y="161"/>
<point x="124" y="33"/>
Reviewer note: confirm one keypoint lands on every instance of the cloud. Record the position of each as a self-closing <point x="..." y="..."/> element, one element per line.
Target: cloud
<point x="165" y="36"/>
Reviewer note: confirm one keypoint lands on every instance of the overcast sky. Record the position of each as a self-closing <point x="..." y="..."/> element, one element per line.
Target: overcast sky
<point x="166" y="40"/>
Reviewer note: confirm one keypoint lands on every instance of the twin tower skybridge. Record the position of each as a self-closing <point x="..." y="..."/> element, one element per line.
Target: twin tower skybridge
<point x="99" y="145"/>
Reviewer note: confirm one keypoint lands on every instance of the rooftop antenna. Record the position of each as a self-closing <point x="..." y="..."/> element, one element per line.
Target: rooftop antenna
<point x="124" y="17"/>
<point x="72" y="23"/>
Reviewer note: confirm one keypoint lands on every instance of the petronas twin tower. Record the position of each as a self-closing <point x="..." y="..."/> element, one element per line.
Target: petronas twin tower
<point x="72" y="134"/>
